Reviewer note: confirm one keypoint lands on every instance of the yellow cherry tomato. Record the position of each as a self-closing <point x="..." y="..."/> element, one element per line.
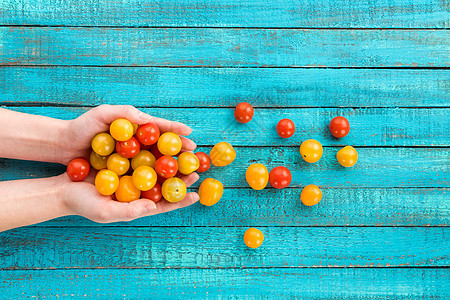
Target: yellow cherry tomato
<point x="135" y="127"/>
<point x="98" y="162"/>
<point x="347" y="156"/>
<point x="253" y="238"/>
<point x="121" y="130"/>
<point x="103" y="144"/>
<point x="106" y="182"/>
<point x="311" y="195"/>
<point x="210" y="191"/>
<point x="143" y="158"/>
<point x="173" y="189"/>
<point x="311" y="151"/>
<point x="187" y="163"/>
<point x="144" y="178"/>
<point x="118" y="164"/>
<point x="169" y="144"/>
<point x="257" y="176"/>
<point x="222" y="154"/>
<point x="126" y="191"/>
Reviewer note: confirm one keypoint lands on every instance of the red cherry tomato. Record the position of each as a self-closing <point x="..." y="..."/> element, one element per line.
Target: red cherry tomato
<point x="243" y="112"/>
<point x="129" y="148"/>
<point x="205" y="162"/>
<point x="153" y="194"/>
<point x="160" y="179"/>
<point x="285" y="128"/>
<point x="166" y="166"/>
<point x="155" y="152"/>
<point x="78" y="169"/>
<point x="148" y="134"/>
<point x="280" y="177"/>
<point x="339" y="127"/>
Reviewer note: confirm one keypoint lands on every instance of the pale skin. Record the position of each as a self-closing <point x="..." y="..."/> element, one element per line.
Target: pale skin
<point x="38" y="138"/>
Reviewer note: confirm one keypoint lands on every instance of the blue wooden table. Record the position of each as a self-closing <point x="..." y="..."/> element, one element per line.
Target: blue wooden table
<point x="379" y="232"/>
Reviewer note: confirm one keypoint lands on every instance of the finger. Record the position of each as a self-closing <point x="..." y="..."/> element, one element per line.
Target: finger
<point x="106" y="114"/>
<point x="187" y="144"/>
<point x="166" y="206"/>
<point x="91" y="176"/>
<point x="127" y="211"/>
<point x="170" y="126"/>
<point x="190" y="179"/>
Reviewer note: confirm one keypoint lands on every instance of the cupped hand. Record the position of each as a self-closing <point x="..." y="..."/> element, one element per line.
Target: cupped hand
<point x="80" y="131"/>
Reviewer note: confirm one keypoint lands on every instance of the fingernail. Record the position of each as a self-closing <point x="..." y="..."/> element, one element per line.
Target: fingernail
<point x="151" y="206"/>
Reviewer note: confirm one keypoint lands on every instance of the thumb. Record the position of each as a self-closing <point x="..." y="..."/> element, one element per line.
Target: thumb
<point x="108" y="113"/>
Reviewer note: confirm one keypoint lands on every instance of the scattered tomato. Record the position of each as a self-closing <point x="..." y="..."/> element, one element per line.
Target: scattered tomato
<point x="311" y="151"/>
<point x="121" y="130"/>
<point x="253" y="238"/>
<point x="129" y="148"/>
<point x="286" y="128"/>
<point x="143" y="158"/>
<point x="126" y="191"/>
<point x="174" y="189"/>
<point x="166" y="166"/>
<point x="257" y="176"/>
<point x="210" y="191"/>
<point x="118" y="164"/>
<point x="153" y="194"/>
<point x="280" y="177"/>
<point x="205" y="162"/>
<point x="222" y="154"/>
<point x="187" y="163"/>
<point x="98" y="162"/>
<point x="339" y="127"/>
<point x="148" y="134"/>
<point x="78" y="169"/>
<point x="106" y="182"/>
<point x="311" y="195"/>
<point x="347" y="156"/>
<point x="243" y="112"/>
<point x="144" y="178"/>
<point x="103" y="144"/>
<point x="169" y="144"/>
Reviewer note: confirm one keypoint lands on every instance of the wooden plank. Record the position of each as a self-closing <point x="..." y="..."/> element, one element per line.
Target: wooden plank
<point x="212" y="87"/>
<point x="213" y="47"/>
<point x="223" y="247"/>
<point x="376" y="167"/>
<point x="339" y="207"/>
<point x="369" y="127"/>
<point x="229" y="13"/>
<point x="315" y="283"/>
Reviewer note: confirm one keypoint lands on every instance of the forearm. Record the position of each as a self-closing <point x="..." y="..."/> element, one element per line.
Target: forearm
<point x="31" y="137"/>
<point x="31" y="201"/>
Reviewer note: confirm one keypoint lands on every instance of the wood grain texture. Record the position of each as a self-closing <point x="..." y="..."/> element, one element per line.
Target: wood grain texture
<point x="369" y="127"/>
<point x="213" y="47"/>
<point x="376" y="167"/>
<point x="214" y="87"/>
<point x="229" y="13"/>
<point x="222" y="247"/>
<point x="271" y="207"/>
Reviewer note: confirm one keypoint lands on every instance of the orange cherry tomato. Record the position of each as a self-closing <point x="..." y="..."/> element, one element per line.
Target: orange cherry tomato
<point x="174" y="189"/>
<point x="106" y="182"/>
<point x="118" y="164"/>
<point x="144" y="178"/>
<point x="311" y="151"/>
<point x="311" y="195"/>
<point x="222" y="154"/>
<point x="253" y="238"/>
<point x="126" y="191"/>
<point x="121" y="130"/>
<point x="103" y="144"/>
<point x="187" y="163"/>
<point x="257" y="176"/>
<point x="143" y="158"/>
<point x="169" y="144"/>
<point x="98" y="162"/>
<point x="210" y="191"/>
<point x="347" y="156"/>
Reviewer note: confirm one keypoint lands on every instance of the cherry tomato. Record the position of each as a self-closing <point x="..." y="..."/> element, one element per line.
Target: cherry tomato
<point x="155" y="151"/>
<point x="148" y="134"/>
<point x="126" y="191"/>
<point x="311" y="195"/>
<point x="257" y="176"/>
<point x="253" y="238"/>
<point x="166" y="166"/>
<point x="121" y="130"/>
<point x="347" y="156"/>
<point x="144" y="178"/>
<point x="339" y="127"/>
<point x="243" y="112"/>
<point x="143" y="158"/>
<point x="106" y="182"/>
<point x="135" y="127"/>
<point x="98" y="162"/>
<point x="187" y="163"/>
<point x="311" y="151"/>
<point x="78" y="169"/>
<point x="118" y="164"/>
<point x="173" y="189"/>
<point x="103" y="144"/>
<point x="280" y="177"/>
<point x="169" y="144"/>
<point x="129" y="148"/>
<point x="210" y="191"/>
<point x="160" y="179"/>
<point x="153" y="194"/>
<point x="222" y="154"/>
<point x="205" y="162"/>
<point x="286" y="128"/>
